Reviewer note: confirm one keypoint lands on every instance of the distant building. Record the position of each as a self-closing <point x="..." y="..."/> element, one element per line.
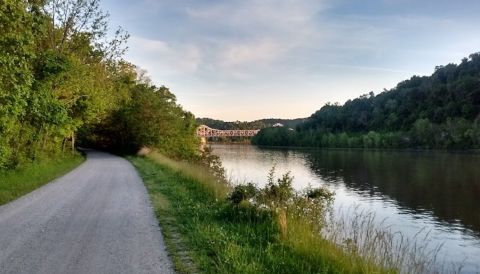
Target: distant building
<point x="278" y="125"/>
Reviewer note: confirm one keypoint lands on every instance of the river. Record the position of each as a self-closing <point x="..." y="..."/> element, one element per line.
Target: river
<point x="436" y="193"/>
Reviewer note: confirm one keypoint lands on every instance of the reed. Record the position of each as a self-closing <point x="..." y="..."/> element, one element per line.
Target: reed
<point x="360" y="233"/>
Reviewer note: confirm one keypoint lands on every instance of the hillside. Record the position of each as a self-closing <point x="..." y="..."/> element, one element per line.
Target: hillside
<point x="257" y="124"/>
<point x="437" y="111"/>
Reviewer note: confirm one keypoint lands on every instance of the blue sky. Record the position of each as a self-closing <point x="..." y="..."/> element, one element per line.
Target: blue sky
<point x="253" y="59"/>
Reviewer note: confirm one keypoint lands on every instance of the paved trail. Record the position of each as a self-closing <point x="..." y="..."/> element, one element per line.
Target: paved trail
<point x="96" y="219"/>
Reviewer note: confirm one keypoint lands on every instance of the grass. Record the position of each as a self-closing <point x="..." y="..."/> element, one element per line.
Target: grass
<point x="359" y="232"/>
<point x="18" y="182"/>
<point x="206" y="233"/>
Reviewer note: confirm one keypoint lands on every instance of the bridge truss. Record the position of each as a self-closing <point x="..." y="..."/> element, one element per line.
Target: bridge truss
<point x="205" y="131"/>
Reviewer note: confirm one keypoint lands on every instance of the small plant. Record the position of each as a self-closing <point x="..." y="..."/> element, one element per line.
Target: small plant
<point x="280" y="198"/>
<point x="277" y="194"/>
<point x="242" y="193"/>
<point x="318" y="193"/>
<point x="213" y="163"/>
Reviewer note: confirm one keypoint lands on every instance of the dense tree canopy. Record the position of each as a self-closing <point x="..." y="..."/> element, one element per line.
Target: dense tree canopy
<point x="60" y="76"/>
<point x="150" y="118"/>
<point x="439" y="111"/>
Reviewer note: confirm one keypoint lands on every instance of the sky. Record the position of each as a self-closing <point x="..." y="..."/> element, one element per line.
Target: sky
<point x="252" y="59"/>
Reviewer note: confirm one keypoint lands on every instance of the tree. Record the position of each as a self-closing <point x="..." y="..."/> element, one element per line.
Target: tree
<point x="150" y="118"/>
<point x="77" y="68"/>
<point x="18" y="27"/>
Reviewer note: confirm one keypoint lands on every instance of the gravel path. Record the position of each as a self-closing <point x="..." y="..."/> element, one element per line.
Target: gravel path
<point x="95" y="219"/>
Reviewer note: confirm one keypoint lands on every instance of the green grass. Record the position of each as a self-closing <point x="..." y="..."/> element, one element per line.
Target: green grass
<point x="205" y="233"/>
<point x="18" y="182"/>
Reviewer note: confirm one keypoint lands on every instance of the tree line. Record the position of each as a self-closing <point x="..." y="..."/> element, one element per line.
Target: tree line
<point x="62" y="80"/>
<point x="440" y="111"/>
<point x="257" y="124"/>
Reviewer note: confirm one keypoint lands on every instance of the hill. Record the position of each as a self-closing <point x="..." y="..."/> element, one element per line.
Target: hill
<point x="437" y="111"/>
<point x="257" y="124"/>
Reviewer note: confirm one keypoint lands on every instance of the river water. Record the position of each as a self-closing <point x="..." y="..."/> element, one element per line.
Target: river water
<point x="432" y="192"/>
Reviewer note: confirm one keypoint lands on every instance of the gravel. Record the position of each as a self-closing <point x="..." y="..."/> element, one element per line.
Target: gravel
<point x="96" y="219"/>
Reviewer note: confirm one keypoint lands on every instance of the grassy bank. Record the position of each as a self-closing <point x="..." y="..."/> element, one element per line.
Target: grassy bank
<point x="206" y="233"/>
<point x="18" y="182"/>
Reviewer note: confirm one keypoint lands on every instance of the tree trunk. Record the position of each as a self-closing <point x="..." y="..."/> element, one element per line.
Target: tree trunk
<point x="36" y="146"/>
<point x="73" y="141"/>
<point x="44" y="144"/>
<point x="64" y="143"/>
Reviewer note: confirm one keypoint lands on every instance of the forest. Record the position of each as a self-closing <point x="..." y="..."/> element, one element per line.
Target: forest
<point x="257" y="124"/>
<point x="64" y="83"/>
<point x="441" y="111"/>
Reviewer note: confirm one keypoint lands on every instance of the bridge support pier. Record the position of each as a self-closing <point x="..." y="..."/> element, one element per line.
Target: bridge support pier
<point x="203" y="143"/>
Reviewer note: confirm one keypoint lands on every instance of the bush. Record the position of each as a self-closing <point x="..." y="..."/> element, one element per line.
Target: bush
<point x="242" y="193"/>
<point x="278" y="197"/>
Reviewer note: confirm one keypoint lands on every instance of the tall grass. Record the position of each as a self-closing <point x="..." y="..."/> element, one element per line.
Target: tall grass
<point x="211" y="185"/>
<point x="18" y="182"/>
<point x="243" y="229"/>
<point x="360" y="233"/>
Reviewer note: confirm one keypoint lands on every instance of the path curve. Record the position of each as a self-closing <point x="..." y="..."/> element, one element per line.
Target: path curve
<point x="96" y="219"/>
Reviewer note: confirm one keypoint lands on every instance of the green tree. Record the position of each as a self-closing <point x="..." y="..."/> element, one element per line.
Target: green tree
<point x="19" y="25"/>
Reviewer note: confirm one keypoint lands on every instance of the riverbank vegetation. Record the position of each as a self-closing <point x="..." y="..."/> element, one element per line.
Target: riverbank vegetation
<point x="440" y="111"/>
<point x="212" y="226"/>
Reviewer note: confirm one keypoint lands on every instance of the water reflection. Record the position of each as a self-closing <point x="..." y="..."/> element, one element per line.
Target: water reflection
<point x="438" y="192"/>
<point x="446" y="184"/>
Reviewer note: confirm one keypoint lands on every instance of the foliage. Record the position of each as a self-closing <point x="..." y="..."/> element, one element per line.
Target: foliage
<point x="151" y="117"/>
<point x="440" y="111"/>
<point x="310" y="204"/>
<point x="213" y="163"/>
<point x="61" y="77"/>
<point x="275" y="136"/>
<point x="242" y="193"/>
<point x="18" y="28"/>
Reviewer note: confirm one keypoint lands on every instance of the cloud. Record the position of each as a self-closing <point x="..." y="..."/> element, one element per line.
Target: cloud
<point x="374" y="68"/>
<point x="149" y="45"/>
<point x="253" y="36"/>
<point x="207" y="94"/>
<point x="258" y="52"/>
<point x="254" y="39"/>
<point x="244" y="39"/>
<point x="167" y="59"/>
<point x="242" y="15"/>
